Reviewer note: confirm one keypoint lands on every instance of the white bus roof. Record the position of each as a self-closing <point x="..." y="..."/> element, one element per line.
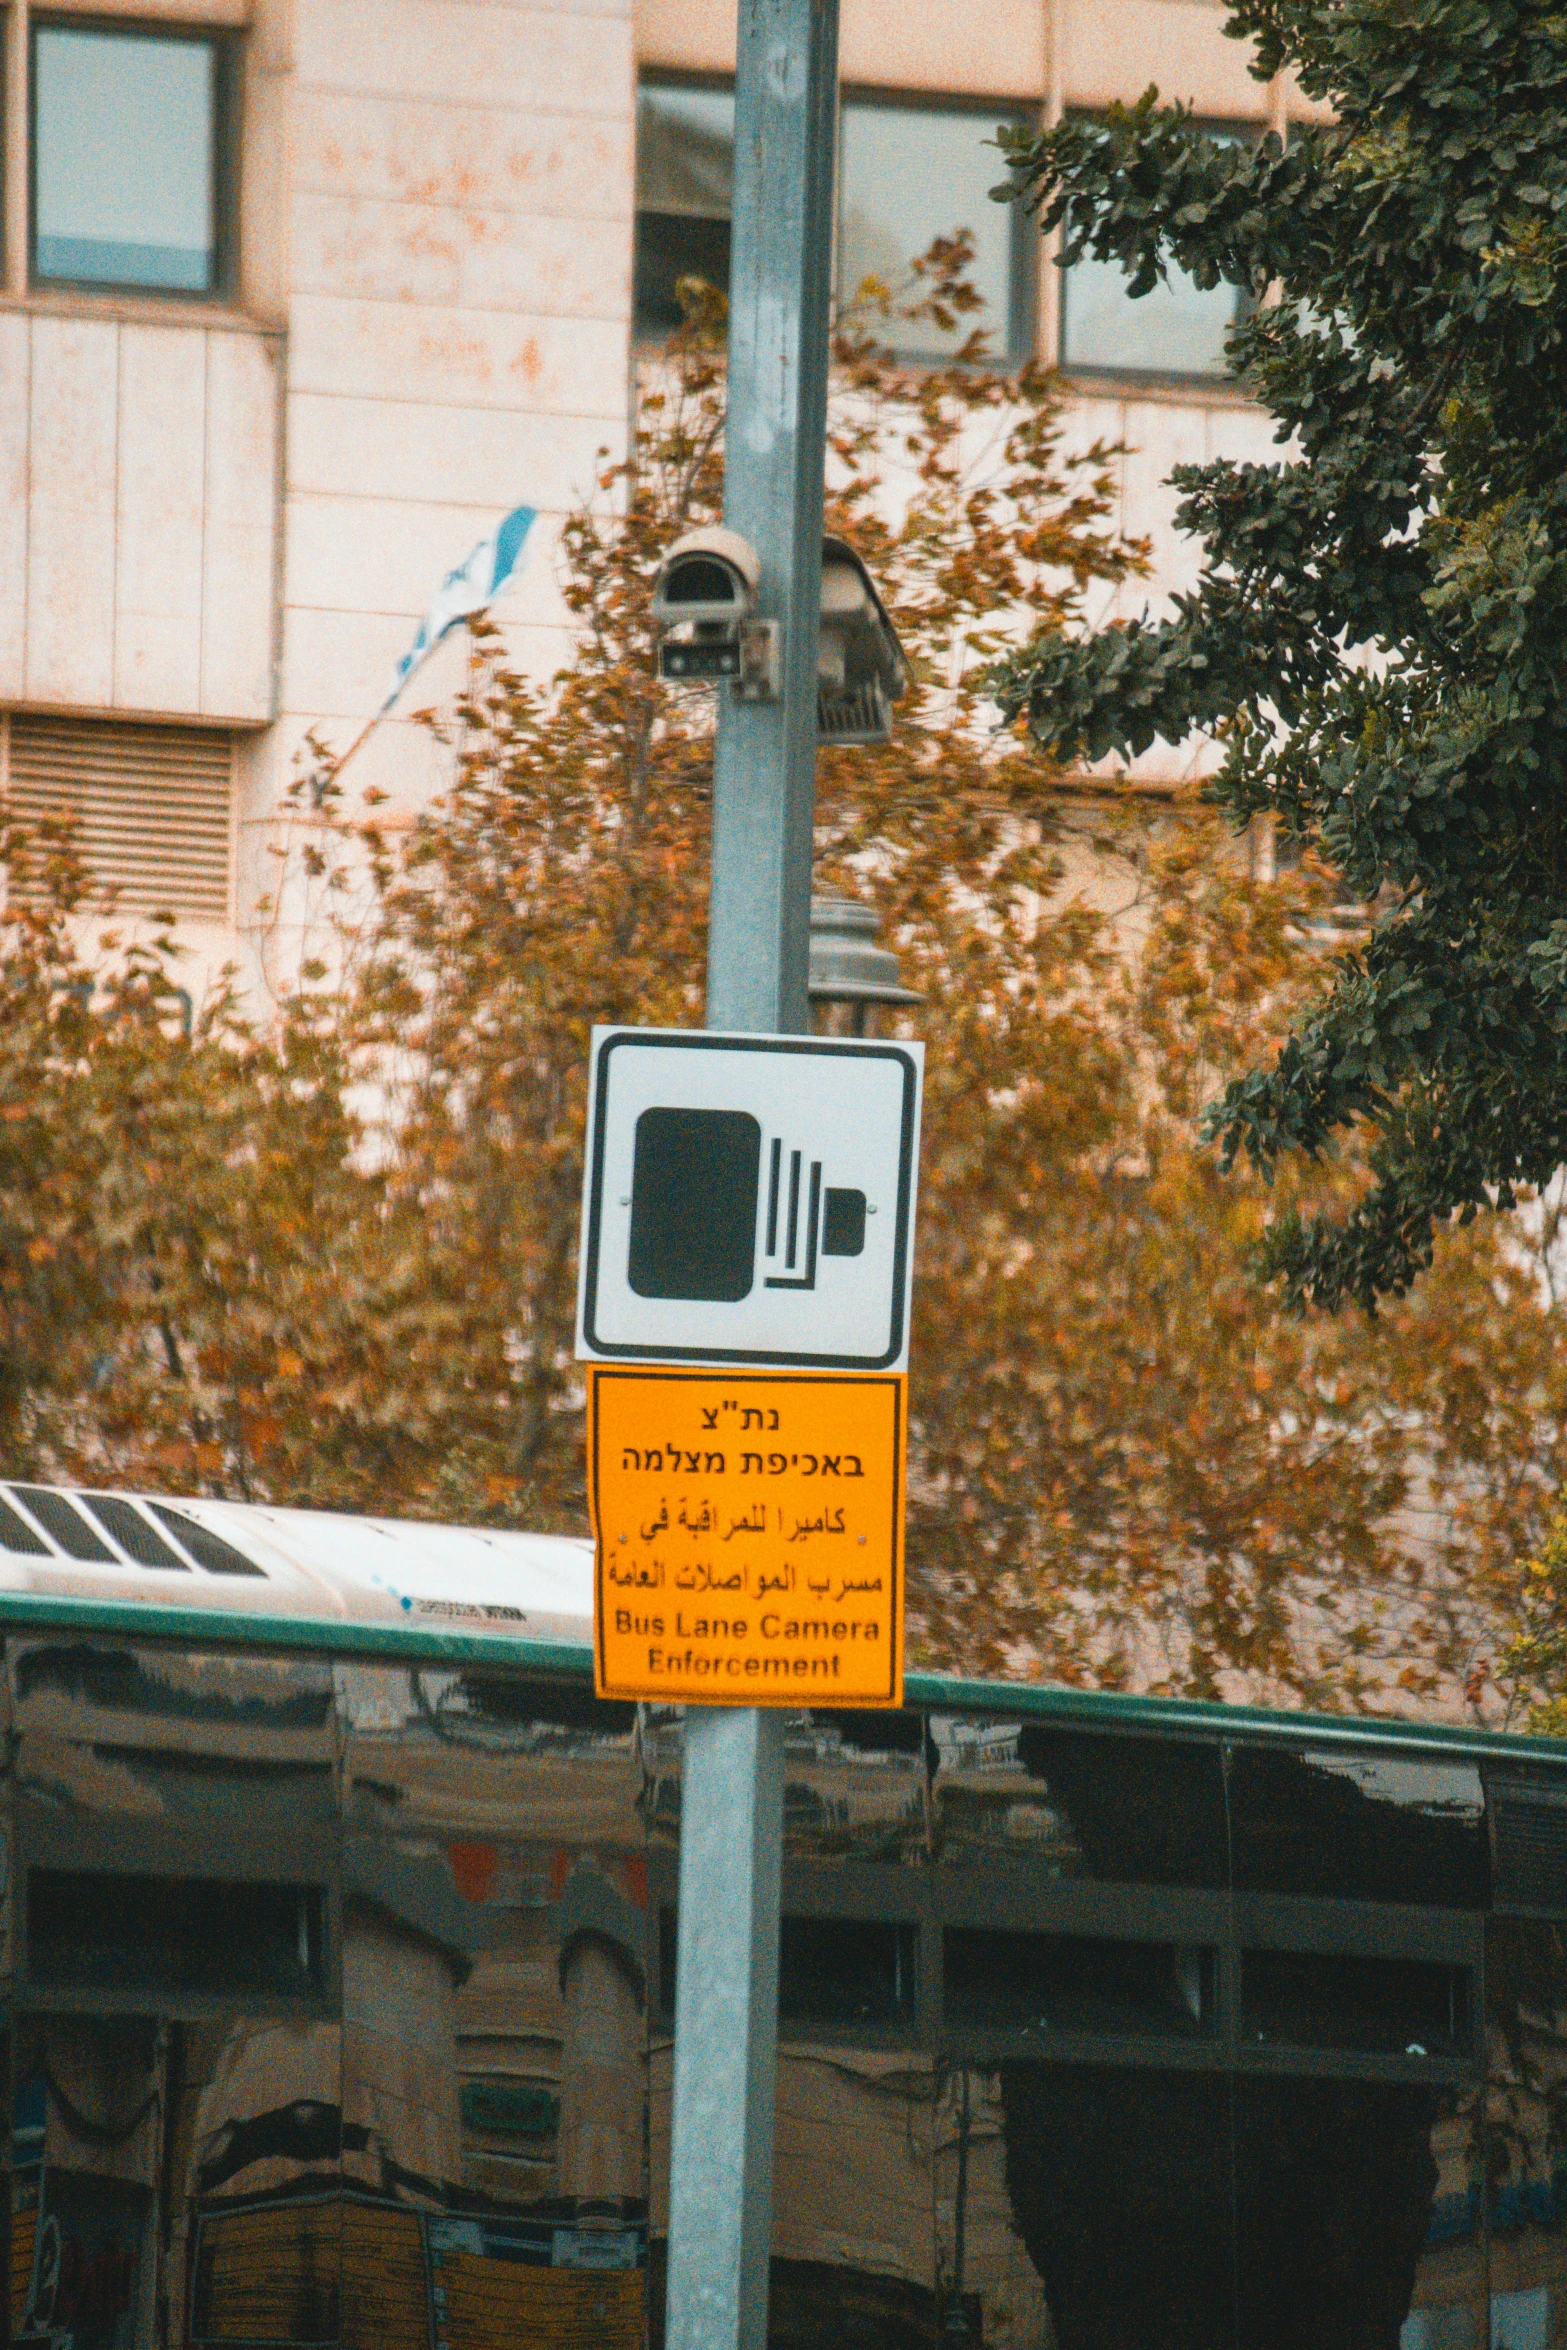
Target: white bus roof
<point x="241" y="1558"/>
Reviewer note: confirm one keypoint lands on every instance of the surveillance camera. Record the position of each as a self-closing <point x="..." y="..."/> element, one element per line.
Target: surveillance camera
<point x="861" y="669"/>
<point x="703" y="600"/>
<point x="704" y="603"/>
<point x="709" y="575"/>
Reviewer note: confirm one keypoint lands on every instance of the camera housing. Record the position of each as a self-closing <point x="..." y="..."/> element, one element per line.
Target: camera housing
<point x="704" y="610"/>
<point x="861" y="669"/>
<point x="703" y="604"/>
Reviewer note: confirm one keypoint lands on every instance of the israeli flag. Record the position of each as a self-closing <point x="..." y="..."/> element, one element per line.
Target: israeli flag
<point x="469" y="588"/>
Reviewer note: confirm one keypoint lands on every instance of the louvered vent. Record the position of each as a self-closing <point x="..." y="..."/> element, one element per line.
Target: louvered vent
<point x="1528" y="1846"/>
<point x="151" y="805"/>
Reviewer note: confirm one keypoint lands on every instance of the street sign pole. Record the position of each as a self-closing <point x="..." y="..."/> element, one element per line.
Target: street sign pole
<point x="726" y="2012"/>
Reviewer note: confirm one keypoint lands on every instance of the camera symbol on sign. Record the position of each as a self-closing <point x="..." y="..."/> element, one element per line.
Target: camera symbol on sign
<point x="697" y="1217"/>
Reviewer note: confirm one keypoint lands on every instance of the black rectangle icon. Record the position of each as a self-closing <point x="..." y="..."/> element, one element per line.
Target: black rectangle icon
<point x="695" y="1177"/>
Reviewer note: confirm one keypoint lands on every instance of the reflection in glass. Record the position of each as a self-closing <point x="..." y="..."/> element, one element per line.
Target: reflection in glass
<point x="86" y="2104"/>
<point x="89" y="1931"/>
<point x="989" y="2290"/>
<point x="855" y="1785"/>
<point x="831" y="1970"/>
<point x="685" y="192"/>
<point x="907" y="174"/>
<point x="1335" y="2193"/>
<point x="331" y="2009"/>
<point x="1447" y="2305"/>
<point x="125" y="144"/>
<point x="911" y="174"/>
<point x="1344" y="1999"/>
<point x="1119" y="2183"/>
<point x="1526" y="2119"/>
<point x="853" y="2257"/>
<point x="494" y="2002"/>
<point x="1137" y="1811"/>
<point x="1353" y="1825"/>
<point x="1176" y="328"/>
<point x="846" y="1971"/>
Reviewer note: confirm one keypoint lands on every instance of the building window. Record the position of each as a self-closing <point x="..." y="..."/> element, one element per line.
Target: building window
<point x="907" y="174"/>
<point x="127" y="158"/>
<point x="685" y="193"/>
<point x="910" y="174"/>
<point x="152" y="806"/>
<point x="1176" y="329"/>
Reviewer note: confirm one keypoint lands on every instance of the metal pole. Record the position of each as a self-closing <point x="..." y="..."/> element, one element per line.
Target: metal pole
<point x="726" y="2011"/>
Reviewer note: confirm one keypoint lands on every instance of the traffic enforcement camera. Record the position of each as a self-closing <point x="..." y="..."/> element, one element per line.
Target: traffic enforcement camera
<point x="704" y="609"/>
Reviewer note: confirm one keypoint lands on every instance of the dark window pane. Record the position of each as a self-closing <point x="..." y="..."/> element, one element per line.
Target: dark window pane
<point x="668" y="1948"/>
<point x="136" y="1538"/>
<point x="830" y="1970"/>
<point x="1337" y="1999"/>
<point x="65" y="1525"/>
<point x="552" y="1713"/>
<point x="1056" y="1983"/>
<point x="670" y="247"/>
<point x="1359" y="1825"/>
<point x="845" y="1971"/>
<point x="685" y="191"/>
<point x="509" y="2108"/>
<point x="1136" y="1811"/>
<point x="209" y="1550"/>
<point x="1176" y="329"/>
<point x="14" y="1535"/>
<point x="173" y="1934"/>
<point x="1526" y="2046"/>
<point x="125" y="157"/>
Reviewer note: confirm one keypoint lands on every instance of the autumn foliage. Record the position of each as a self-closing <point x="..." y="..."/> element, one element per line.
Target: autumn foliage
<point x="323" y="1252"/>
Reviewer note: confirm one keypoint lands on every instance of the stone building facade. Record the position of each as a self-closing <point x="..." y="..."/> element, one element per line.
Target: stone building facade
<point x="299" y="297"/>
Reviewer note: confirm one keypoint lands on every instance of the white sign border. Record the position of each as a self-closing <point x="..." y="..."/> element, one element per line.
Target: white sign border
<point x="895" y="1357"/>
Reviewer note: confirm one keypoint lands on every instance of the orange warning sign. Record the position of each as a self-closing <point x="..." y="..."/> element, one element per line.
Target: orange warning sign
<point x="749" y="1534"/>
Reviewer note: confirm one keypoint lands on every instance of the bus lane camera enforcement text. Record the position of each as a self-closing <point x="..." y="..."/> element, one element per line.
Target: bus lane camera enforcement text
<point x="744" y="1570"/>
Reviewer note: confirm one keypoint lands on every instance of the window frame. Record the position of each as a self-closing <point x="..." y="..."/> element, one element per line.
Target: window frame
<point x="223" y="42"/>
<point x="1229" y="129"/>
<point x="1017" y="335"/>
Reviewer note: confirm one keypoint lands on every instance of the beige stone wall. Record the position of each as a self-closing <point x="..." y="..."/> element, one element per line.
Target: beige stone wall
<point x="237" y="514"/>
<point x="1076" y="52"/>
<point x="138" y="514"/>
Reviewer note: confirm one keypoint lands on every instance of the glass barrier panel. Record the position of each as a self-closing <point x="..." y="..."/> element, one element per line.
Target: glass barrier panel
<point x="1117" y="2185"/>
<point x="1526" y="2130"/>
<point x="989" y="2291"/>
<point x="1356" y="1825"/>
<point x="1336" y="2185"/>
<point x="1345" y="1999"/>
<point x="1055" y="1983"/>
<point x="855" y="1784"/>
<point x="847" y="1971"/>
<point x="495" y="1968"/>
<point x="853" y="2241"/>
<point x="1449" y="2297"/>
<point x="1136" y="1811"/>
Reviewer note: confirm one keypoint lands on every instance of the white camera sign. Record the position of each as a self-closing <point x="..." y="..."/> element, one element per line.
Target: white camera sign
<point x="749" y="1199"/>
